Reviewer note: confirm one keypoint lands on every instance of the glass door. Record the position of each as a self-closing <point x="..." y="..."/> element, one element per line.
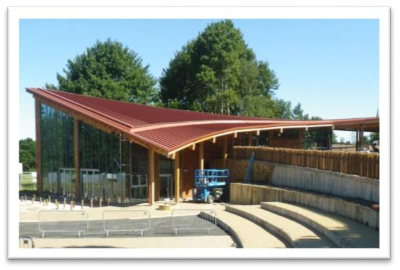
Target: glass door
<point x="66" y="183"/>
<point x="166" y="178"/>
<point x="91" y="183"/>
<point x="139" y="186"/>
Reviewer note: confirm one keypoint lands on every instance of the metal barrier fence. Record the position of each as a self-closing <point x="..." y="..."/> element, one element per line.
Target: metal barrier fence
<point x="26" y="242"/>
<point x="194" y="219"/>
<point x="63" y="221"/>
<point x="126" y="220"/>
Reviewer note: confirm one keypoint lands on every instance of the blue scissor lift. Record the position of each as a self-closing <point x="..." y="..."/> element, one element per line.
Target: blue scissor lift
<point x="209" y="184"/>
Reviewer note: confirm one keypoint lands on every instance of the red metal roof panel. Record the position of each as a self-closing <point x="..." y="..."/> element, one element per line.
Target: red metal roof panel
<point x="170" y="129"/>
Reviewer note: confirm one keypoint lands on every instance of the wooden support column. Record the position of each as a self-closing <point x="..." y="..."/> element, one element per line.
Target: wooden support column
<point x="157" y="176"/>
<point x="201" y="156"/>
<point x="38" y="118"/>
<point x="362" y="137"/>
<point x="151" y="168"/>
<point x="250" y="139"/>
<point x="76" y="158"/>
<point x="127" y="161"/>
<point x="357" y="140"/>
<point x="225" y="151"/>
<point x="177" y="176"/>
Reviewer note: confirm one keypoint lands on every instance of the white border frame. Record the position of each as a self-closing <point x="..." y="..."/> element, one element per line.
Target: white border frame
<point x="381" y="13"/>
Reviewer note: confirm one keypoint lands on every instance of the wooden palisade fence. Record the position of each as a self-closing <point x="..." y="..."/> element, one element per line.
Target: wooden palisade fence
<point x="362" y="164"/>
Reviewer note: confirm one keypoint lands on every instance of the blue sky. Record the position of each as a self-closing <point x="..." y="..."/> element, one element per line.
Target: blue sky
<point x="329" y="66"/>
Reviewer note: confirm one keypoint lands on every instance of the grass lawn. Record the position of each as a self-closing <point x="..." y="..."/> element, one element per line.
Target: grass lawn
<point x="27" y="183"/>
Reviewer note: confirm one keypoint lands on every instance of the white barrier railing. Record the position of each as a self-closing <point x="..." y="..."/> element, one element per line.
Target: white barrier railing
<point x="26" y="242"/>
<point x="63" y="221"/>
<point x="126" y="220"/>
<point x="194" y="219"/>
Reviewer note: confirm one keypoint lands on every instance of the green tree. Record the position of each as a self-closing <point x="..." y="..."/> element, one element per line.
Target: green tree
<point x="108" y="70"/>
<point x="374" y="136"/>
<point x="218" y="73"/>
<point x="283" y="109"/>
<point x="298" y="113"/>
<point x="27" y="154"/>
<point x="260" y="106"/>
<point x="334" y="138"/>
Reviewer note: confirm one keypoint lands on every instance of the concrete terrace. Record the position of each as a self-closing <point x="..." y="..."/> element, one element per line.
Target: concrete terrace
<point x="266" y="225"/>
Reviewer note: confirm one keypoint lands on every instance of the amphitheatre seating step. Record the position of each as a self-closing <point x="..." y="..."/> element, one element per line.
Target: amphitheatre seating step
<point x="297" y="235"/>
<point x="344" y="232"/>
<point x="248" y="234"/>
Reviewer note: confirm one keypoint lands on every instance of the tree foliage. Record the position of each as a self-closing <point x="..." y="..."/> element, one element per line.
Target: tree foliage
<point x="283" y="109"/>
<point x="218" y="73"/>
<point x="298" y="113"/>
<point x="108" y="70"/>
<point x="27" y="154"/>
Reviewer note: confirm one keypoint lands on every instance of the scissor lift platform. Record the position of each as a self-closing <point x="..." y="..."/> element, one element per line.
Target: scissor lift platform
<point x="209" y="184"/>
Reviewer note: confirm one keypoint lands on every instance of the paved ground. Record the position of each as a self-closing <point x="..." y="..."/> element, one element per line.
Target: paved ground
<point x="161" y="234"/>
<point x="267" y="230"/>
<point x="160" y="227"/>
<point x="137" y="242"/>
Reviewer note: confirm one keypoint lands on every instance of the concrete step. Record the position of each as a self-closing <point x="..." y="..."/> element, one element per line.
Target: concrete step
<point x="246" y="233"/>
<point x="297" y="235"/>
<point x="343" y="231"/>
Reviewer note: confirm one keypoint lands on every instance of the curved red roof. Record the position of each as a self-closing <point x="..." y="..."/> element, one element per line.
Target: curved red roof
<point x="170" y="130"/>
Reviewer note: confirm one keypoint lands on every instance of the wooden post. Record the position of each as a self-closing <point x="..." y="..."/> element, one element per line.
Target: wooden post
<point x="201" y="156"/>
<point x="362" y="137"/>
<point x="39" y="180"/>
<point x="157" y="176"/>
<point x="225" y="151"/>
<point x="177" y="175"/>
<point x="357" y="140"/>
<point x="76" y="157"/>
<point x="250" y="139"/>
<point x="151" y="169"/>
<point x="127" y="160"/>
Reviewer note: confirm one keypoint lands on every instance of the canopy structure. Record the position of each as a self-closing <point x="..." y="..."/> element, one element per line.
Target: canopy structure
<point x="168" y="131"/>
<point x="118" y="149"/>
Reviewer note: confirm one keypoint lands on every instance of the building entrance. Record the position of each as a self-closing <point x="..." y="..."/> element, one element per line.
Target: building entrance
<point x="166" y="178"/>
<point x="166" y="186"/>
<point x="139" y="186"/>
<point x="91" y="185"/>
<point x="66" y="177"/>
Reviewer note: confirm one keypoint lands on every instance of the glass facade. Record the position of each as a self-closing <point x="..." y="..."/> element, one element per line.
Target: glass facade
<point x="109" y="165"/>
<point x="138" y="175"/>
<point x="166" y="178"/>
<point x="57" y="136"/>
<point x="100" y="162"/>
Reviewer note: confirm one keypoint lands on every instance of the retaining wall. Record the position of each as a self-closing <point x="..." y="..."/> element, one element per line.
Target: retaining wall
<point x="333" y="183"/>
<point x="255" y="194"/>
